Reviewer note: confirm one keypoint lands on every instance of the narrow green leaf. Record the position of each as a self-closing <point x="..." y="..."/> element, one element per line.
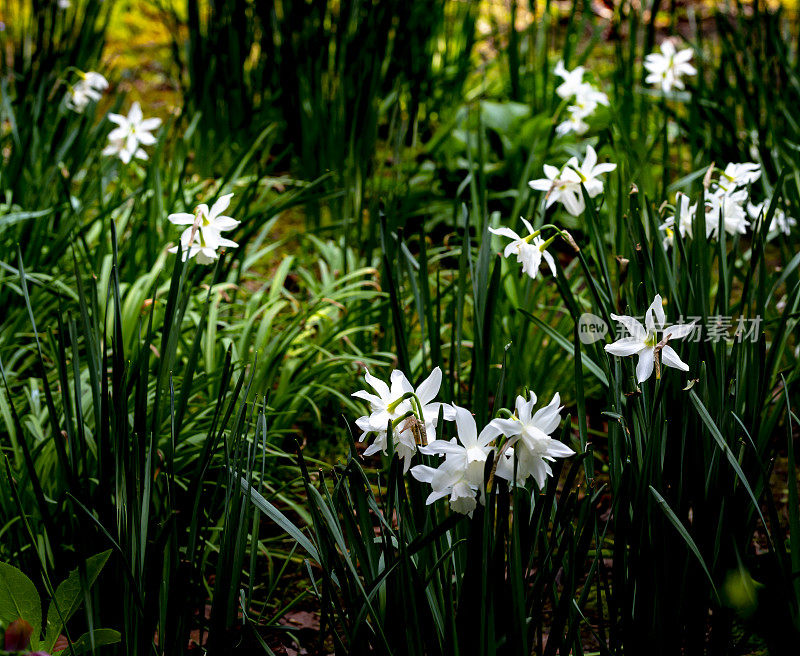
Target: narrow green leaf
<point x="673" y="518"/>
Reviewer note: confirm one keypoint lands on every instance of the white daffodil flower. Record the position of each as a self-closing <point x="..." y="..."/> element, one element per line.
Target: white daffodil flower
<point x="738" y="175"/>
<point x="644" y="341"/>
<point x="565" y="185"/>
<point x="586" y="102"/>
<point x="780" y="224"/>
<point x="529" y="440"/>
<point x="425" y="394"/>
<point x="88" y="89"/>
<point x="680" y="221"/>
<point x="574" y="123"/>
<point x="133" y="131"/>
<point x="583" y="108"/>
<point x="448" y="480"/>
<point x="589" y="171"/>
<point x="95" y="81"/>
<point x="562" y="186"/>
<point x="460" y="476"/>
<point x="203" y="236"/>
<point x="530" y="250"/>
<point x="731" y="207"/>
<point x="386" y="407"/>
<point x="191" y="246"/>
<point x="667" y="68"/>
<point x="397" y="406"/>
<point x="572" y="80"/>
<point x="588" y="98"/>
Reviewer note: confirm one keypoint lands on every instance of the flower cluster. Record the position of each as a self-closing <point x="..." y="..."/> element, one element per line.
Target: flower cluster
<point x="88" y="89"/>
<point x="667" y="68"/>
<point x="203" y="236"/>
<point x="725" y="206"/>
<point x="584" y="95"/>
<point x="409" y="415"/>
<point x="519" y="446"/>
<point x="564" y="184"/>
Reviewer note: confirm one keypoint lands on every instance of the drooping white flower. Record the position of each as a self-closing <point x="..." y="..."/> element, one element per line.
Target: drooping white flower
<point x="667" y="68"/>
<point x="589" y="171"/>
<point x="530" y="441"/>
<point x="780" y="224"/>
<point x="95" y="81"/>
<point x="425" y="394"/>
<point x="530" y="250"/>
<point x="574" y="123"/>
<point x="572" y="79"/>
<point x="389" y="406"/>
<point x="88" y="89"/>
<point x="585" y="103"/>
<point x="203" y="236"/>
<point x="738" y="175"/>
<point x="565" y="185"/>
<point x="561" y="186"/>
<point x="587" y="98"/>
<point x="680" y="221"/>
<point x="448" y="480"/>
<point x="460" y="476"/>
<point x="731" y="207"/>
<point x="64" y="4"/>
<point x="643" y="341"/>
<point x="133" y="131"/>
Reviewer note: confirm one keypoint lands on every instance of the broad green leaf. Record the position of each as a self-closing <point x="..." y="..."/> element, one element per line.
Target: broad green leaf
<point x="19" y="599"/>
<point x="69" y="597"/>
<point x="503" y="117"/>
<point x="84" y="644"/>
